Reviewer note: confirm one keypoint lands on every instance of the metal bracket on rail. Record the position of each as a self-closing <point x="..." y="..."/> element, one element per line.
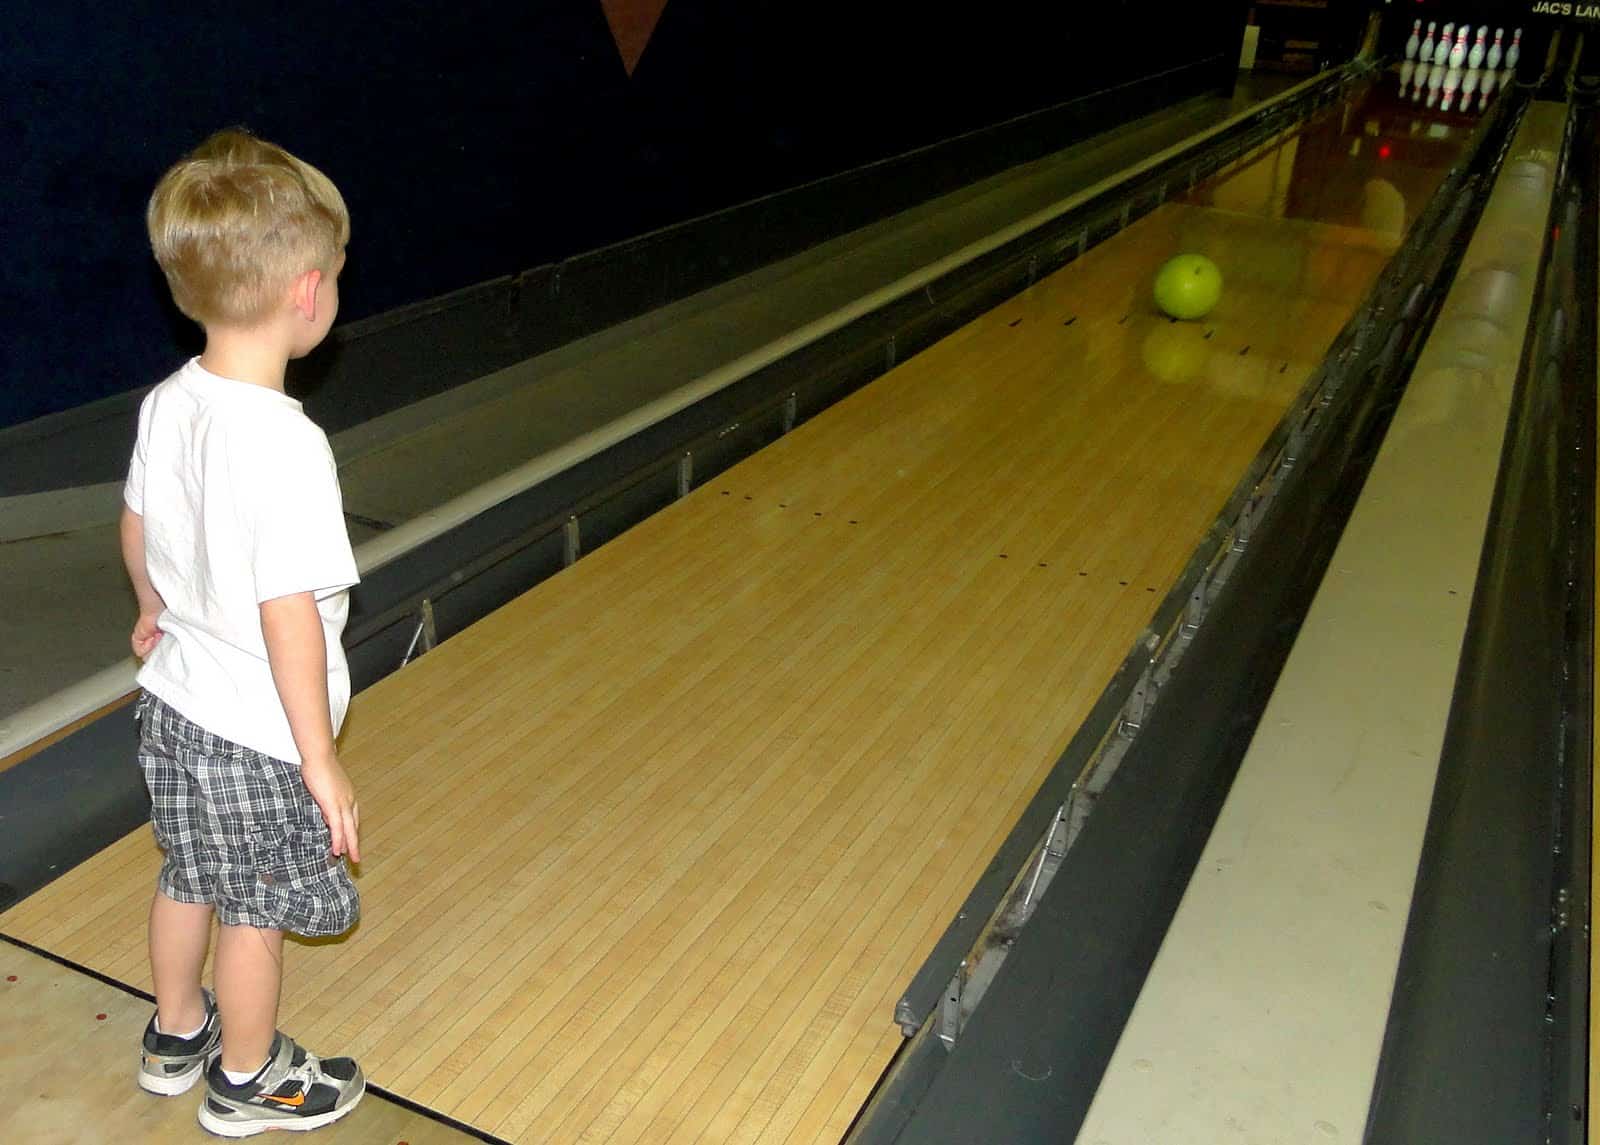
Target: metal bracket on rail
<point x="426" y="636"/>
<point x="571" y="542"/>
<point x="1200" y="598"/>
<point x="950" y="1016"/>
<point x="967" y="986"/>
<point x="1056" y="841"/>
<point x="1244" y="527"/>
<point x="1133" y="712"/>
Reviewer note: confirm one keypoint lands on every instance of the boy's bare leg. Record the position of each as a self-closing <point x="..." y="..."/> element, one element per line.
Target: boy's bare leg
<point x="180" y="932"/>
<point x="249" y="975"/>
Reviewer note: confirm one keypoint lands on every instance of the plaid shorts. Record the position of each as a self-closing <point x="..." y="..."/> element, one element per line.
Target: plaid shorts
<point x="240" y="831"/>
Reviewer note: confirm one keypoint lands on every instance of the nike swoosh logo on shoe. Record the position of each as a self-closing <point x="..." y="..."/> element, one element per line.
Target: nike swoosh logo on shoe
<point x="297" y="1100"/>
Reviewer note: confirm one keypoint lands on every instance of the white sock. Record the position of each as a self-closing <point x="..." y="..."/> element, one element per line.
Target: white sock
<point x="191" y="1034"/>
<point x="241" y="1078"/>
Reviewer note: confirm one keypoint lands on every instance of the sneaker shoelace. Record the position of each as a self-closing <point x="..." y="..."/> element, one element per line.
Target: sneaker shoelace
<point x="308" y="1072"/>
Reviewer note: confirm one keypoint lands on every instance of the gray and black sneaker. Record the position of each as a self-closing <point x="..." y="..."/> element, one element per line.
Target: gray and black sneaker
<point x="294" y="1090"/>
<point x="170" y="1065"/>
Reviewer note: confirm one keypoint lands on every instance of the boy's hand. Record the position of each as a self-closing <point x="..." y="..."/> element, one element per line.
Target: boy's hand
<point x="325" y="778"/>
<point x="145" y="634"/>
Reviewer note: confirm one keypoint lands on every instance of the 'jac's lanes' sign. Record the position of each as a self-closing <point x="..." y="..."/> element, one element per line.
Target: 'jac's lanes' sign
<point x="1565" y="11"/>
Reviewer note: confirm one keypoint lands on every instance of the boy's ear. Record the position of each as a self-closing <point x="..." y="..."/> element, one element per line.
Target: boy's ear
<point x="303" y="294"/>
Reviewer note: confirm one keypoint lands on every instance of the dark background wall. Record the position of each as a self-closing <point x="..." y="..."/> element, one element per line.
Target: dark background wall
<point x="477" y="139"/>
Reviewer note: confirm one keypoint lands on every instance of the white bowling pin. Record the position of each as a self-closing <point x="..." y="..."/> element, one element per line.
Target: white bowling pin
<point x="1475" y="56"/>
<point x="1423" y="69"/>
<point x="1514" y="52"/>
<point x="1492" y="60"/>
<point x="1452" y="81"/>
<point x="1435" y="81"/>
<point x="1458" y="53"/>
<point x="1425" y="53"/>
<point x="1406" y="70"/>
<point x="1415" y="41"/>
<point x="1469" y="85"/>
<point x="1441" y="50"/>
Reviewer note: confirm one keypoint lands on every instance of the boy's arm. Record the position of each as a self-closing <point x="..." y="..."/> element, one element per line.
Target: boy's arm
<point x="298" y="655"/>
<point x="145" y="631"/>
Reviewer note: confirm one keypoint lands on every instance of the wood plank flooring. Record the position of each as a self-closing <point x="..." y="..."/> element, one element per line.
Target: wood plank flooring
<point x="652" y="851"/>
<point x="71" y="1017"/>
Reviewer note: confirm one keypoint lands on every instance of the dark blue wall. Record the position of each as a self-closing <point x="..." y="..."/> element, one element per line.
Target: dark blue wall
<point x="477" y="139"/>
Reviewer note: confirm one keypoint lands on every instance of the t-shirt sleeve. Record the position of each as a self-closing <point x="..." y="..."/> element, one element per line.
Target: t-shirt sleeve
<point x="299" y="539"/>
<point x="133" y="488"/>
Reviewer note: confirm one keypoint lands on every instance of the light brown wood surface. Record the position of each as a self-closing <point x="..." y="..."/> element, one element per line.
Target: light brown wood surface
<point x="652" y="851"/>
<point x="70" y="1081"/>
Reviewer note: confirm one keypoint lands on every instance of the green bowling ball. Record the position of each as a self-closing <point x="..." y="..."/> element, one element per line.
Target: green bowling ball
<point x="1188" y="286"/>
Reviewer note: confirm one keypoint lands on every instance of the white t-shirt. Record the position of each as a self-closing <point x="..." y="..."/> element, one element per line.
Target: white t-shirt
<point x="240" y="500"/>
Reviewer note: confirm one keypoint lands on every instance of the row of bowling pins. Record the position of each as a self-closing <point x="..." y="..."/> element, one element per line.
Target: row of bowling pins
<point x="1427" y="50"/>
<point x="1443" y="82"/>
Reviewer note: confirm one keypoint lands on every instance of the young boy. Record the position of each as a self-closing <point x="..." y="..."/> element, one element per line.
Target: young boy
<point x="233" y="534"/>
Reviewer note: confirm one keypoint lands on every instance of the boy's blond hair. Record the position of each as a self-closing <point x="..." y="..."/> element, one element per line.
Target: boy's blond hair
<point x="236" y="220"/>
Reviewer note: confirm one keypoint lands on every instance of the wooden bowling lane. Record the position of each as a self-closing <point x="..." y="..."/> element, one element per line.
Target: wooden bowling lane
<point x="652" y="851"/>
<point x="70" y="1081"/>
